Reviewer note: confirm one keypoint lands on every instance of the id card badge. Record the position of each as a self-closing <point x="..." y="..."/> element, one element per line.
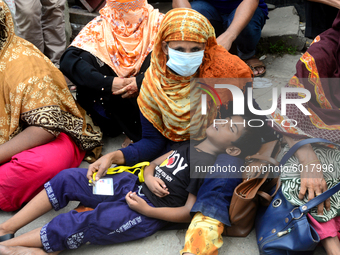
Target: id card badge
<point x="103" y="186"/>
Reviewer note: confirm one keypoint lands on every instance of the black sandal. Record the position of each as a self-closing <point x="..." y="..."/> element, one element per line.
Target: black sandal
<point x="6" y="237"/>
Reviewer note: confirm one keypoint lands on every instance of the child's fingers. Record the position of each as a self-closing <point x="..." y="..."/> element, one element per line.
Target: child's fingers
<point x="161" y="183"/>
<point x="161" y="191"/>
<point x="328" y="204"/>
<point x="164" y="189"/>
<point x="127" y="196"/>
<point x="157" y="192"/>
<point x="133" y="196"/>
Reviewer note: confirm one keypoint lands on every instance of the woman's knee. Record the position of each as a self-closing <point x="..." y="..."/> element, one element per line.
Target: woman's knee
<point x="251" y="34"/>
<point x="207" y="10"/>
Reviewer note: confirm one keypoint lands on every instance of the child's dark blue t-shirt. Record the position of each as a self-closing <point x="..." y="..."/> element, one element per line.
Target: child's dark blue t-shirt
<point x="175" y="172"/>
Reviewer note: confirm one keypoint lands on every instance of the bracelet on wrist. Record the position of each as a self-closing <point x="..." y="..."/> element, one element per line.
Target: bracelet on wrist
<point x="316" y="160"/>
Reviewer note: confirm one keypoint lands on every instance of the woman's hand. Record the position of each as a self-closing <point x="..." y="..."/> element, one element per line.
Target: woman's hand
<point x="127" y="87"/>
<point x="313" y="182"/>
<point x="136" y="203"/>
<point x="103" y="163"/>
<point x="225" y="41"/>
<point x="100" y="166"/>
<point x="118" y="83"/>
<point x="156" y="186"/>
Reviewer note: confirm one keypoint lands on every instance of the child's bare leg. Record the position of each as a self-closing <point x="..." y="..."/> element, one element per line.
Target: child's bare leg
<point x="38" y="206"/>
<point x="18" y="250"/>
<point x="331" y="245"/>
<point x="29" y="239"/>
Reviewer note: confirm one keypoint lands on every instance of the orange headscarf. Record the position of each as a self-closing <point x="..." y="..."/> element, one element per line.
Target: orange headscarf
<point x="165" y="97"/>
<point x="34" y="92"/>
<point x="122" y="36"/>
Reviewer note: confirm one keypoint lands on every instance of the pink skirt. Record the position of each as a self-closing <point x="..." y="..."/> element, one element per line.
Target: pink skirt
<point x="24" y="176"/>
<point x="326" y="229"/>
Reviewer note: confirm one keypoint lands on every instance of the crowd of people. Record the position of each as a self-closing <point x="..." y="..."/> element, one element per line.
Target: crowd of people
<point x="144" y="73"/>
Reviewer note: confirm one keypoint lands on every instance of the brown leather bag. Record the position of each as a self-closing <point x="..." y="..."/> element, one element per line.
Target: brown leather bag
<point x="246" y="196"/>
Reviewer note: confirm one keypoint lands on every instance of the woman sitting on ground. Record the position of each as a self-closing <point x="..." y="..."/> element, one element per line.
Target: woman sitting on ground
<point x="318" y="71"/>
<point x="185" y="48"/>
<point x="107" y="61"/>
<point x="42" y="131"/>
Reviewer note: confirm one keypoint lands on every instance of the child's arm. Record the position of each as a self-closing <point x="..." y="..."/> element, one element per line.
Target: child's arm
<point x="172" y="214"/>
<point x="156" y="185"/>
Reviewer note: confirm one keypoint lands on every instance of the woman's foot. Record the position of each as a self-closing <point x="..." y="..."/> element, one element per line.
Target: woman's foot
<point x="4" y="232"/>
<point x="126" y="142"/>
<point x="18" y="250"/>
<point x="257" y="66"/>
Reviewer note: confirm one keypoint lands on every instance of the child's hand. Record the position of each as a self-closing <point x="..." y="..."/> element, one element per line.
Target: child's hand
<point x="157" y="186"/>
<point x="136" y="203"/>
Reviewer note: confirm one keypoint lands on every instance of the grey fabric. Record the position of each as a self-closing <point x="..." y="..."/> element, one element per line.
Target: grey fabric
<point x="41" y="22"/>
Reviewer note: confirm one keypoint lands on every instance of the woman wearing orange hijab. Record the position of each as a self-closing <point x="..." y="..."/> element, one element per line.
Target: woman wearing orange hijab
<point x="107" y="61"/>
<point x="185" y="48"/>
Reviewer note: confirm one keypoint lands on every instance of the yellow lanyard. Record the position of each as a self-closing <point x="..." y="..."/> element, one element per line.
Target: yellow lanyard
<point x="131" y="169"/>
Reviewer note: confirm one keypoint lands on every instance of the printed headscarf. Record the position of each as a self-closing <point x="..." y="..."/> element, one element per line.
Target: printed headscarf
<point x="122" y="36"/>
<point x="165" y="98"/>
<point x="34" y="92"/>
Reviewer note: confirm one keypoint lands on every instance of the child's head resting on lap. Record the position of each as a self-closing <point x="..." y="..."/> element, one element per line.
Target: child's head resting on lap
<point x="232" y="136"/>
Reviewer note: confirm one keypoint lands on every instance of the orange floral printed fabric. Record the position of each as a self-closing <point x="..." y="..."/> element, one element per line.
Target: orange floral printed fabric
<point x="122" y="36"/>
<point x="204" y="236"/>
<point x="34" y="92"/>
<point x="165" y="98"/>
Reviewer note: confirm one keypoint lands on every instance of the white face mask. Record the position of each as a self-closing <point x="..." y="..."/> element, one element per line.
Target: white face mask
<point x="184" y="64"/>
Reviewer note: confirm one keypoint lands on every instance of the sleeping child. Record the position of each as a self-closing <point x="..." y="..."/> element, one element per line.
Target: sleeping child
<point x="135" y="210"/>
